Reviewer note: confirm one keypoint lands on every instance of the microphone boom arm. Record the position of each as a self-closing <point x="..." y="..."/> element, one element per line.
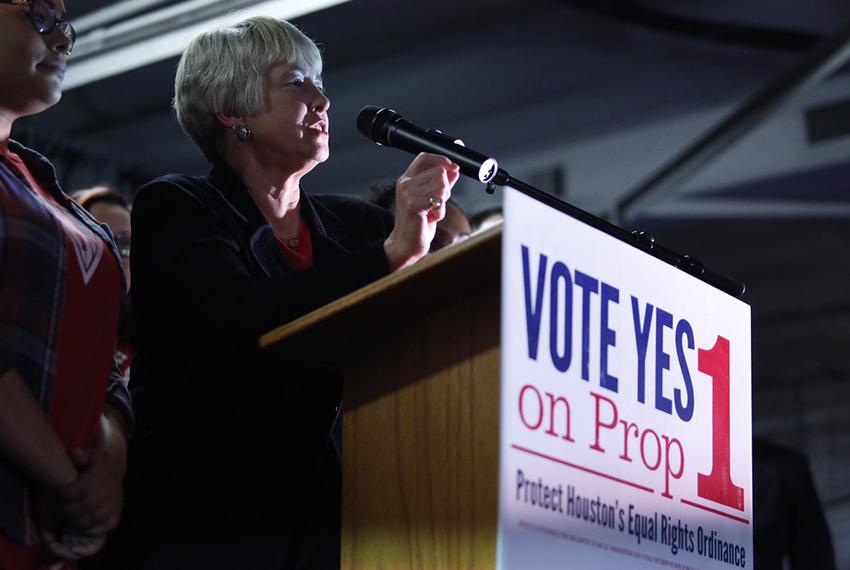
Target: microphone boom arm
<point x="387" y="127"/>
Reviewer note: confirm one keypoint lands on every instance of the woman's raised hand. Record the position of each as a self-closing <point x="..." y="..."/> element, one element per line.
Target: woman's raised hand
<point x="421" y="196"/>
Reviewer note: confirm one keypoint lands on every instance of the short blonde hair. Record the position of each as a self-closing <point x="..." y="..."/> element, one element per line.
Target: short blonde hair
<point x="223" y="71"/>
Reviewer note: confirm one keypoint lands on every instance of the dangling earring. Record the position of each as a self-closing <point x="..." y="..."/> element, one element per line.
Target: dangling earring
<point x="242" y="133"/>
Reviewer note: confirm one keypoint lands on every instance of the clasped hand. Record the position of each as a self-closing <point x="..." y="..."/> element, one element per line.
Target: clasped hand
<point x="74" y="519"/>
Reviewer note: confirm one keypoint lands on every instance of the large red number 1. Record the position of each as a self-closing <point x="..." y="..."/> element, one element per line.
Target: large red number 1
<point x="718" y="486"/>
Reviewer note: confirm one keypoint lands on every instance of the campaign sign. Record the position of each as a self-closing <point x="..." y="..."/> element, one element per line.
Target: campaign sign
<point x="625" y="405"/>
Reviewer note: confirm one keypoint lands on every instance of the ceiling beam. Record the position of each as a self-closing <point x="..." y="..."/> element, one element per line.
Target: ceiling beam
<point x="165" y="33"/>
<point x="749" y="209"/>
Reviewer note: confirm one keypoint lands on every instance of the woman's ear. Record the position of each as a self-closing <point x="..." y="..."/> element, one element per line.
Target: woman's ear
<point x="229" y="121"/>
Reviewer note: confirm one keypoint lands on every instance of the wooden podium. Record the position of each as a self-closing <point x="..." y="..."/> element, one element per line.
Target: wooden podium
<point x="421" y="401"/>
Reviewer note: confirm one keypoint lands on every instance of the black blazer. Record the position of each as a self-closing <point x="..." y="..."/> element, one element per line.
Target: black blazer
<point x="233" y="452"/>
<point x="789" y="520"/>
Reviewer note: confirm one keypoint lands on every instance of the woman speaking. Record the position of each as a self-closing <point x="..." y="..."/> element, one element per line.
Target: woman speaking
<point x="236" y="458"/>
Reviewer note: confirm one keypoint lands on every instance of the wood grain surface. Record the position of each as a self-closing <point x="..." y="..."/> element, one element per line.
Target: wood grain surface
<point x="421" y="402"/>
<point x="442" y="278"/>
<point x="421" y="434"/>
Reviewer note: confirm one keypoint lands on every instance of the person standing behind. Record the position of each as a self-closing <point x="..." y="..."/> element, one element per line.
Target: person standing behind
<point x="110" y="207"/>
<point x="64" y="414"/>
<point x="790" y="530"/>
<point x="452" y="229"/>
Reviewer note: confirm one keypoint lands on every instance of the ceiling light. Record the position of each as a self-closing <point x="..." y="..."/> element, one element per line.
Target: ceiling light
<point x="107" y="51"/>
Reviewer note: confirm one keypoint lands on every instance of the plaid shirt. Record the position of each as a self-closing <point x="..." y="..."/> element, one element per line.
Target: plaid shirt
<point x="32" y="273"/>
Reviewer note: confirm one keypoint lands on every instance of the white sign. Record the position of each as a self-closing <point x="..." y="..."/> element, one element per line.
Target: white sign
<point x="625" y="405"/>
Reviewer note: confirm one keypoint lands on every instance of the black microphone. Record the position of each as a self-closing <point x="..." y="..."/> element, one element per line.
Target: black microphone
<point x="386" y="127"/>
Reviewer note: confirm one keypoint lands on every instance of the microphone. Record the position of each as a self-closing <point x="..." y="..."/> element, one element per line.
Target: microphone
<point x="386" y="127"/>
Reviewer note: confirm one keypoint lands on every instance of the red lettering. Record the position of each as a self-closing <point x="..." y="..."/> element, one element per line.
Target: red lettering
<point x="668" y="443"/>
<point x="626" y="429"/>
<point x="611" y="425"/>
<point x="643" y="449"/>
<point x="552" y="401"/>
<point x="718" y="486"/>
<point x="539" y="407"/>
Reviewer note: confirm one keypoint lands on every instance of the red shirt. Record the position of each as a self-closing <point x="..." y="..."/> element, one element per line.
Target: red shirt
<point x="88" y="328"/>
<point x="301" y="256"/>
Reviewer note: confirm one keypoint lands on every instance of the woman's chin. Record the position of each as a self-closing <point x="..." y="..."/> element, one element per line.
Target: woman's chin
<point x="36" y="106"/>
<point x="320" y="155"/>
<point x="49" y="95"/>
<point x="55" y="98"/>
<point x="49" y="89"/>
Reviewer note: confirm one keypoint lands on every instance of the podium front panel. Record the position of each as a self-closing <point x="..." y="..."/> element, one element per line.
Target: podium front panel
<point x="420" y="441"/>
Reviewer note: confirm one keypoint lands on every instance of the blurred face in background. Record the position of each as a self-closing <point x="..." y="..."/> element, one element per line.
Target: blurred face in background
<point x="118" y="220"/>
<point x="451" y="229"/>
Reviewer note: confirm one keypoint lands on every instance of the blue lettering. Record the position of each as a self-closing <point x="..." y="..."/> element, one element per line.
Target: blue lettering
<point x="662" y="360"/>
<point x="607" y="337"/>
<point x="642" y="341"/>
<point x="561" y="273"/>
<point x="533" y="311"/>
<point x="589" y="286"/>
<point x="683" y="329"/>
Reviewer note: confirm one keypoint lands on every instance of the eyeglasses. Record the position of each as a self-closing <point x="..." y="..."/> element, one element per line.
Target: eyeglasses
<point x="42" y="14"/>
<point x="122" y="240"/>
